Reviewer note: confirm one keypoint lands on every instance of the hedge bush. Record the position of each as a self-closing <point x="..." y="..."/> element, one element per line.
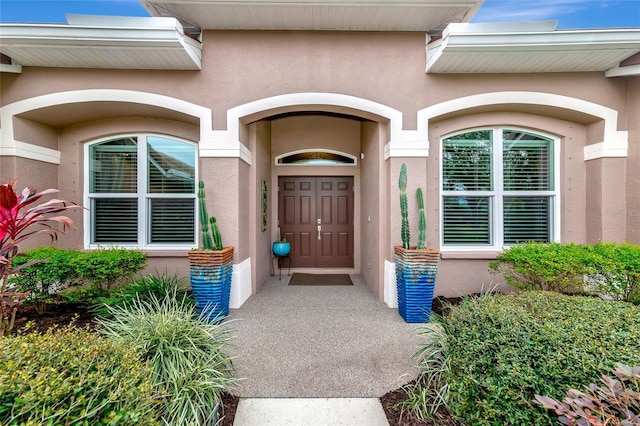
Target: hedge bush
<point x="615" y="270"/>
<point x="503" y="350"/>
<point x="52" y="273"/>
<point x="73" y="376"/>
<point x="62" y="270"/>
<point x="106" y="268"/>
<point x="543" y="266"/>
<point x="609" y="269"/>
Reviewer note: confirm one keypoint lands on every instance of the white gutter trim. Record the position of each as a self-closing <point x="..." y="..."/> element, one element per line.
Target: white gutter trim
<point x="14" y="68"/>
<point x="628" y="71"/>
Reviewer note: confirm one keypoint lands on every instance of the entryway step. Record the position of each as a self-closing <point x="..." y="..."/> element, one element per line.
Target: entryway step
<point x="310" y="412"/>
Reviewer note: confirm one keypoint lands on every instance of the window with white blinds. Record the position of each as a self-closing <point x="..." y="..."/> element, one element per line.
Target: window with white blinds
<point x="142" y="192"/>
<point x="498" y="188"/>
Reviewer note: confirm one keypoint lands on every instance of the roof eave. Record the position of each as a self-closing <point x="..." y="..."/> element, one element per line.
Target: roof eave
<point x="532" y="39"/>
<point x="140" y="37"/>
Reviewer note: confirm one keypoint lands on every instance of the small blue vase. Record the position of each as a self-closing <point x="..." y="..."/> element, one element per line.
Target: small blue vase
<point x="281" y="249"/>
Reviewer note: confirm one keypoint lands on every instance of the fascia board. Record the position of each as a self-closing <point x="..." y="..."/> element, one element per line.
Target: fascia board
<point x="434" y="51"/>
<point x="554" y="41"/>
<point x="67" y="35"/>
<point x="628" y="71"/>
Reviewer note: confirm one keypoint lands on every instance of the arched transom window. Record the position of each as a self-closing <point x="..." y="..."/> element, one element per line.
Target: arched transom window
<point x="316" y="157"/>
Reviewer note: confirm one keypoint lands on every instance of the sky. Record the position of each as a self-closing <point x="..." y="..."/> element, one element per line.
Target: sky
<point x="569" y="13"/>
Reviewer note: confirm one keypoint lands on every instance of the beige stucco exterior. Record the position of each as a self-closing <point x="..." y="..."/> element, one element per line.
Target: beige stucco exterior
<point x="352" y="92"/>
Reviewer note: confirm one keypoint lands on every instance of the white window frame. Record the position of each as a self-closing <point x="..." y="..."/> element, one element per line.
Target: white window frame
<point x="143" y="196"/>
<point x="496" y="196"/>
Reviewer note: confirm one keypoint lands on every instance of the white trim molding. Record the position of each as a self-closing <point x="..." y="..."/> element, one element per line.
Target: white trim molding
<point x="240" y="283"/>
<point x="614" y="144"/>
<point x="402" y="143"/>
<point x="210" y="144"/>
<point x="390" y="287"/>
<point x="627" y="71"/>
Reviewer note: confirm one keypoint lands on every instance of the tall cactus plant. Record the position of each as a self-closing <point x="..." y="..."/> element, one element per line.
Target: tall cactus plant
<point x="215" y="231"/>
<point x="404" y="210"/>
<point x="422" y="221"/>
<point x="211" y="239"/>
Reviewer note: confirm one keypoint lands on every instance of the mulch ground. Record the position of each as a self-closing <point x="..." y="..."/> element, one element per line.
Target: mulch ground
<point x="63" y="314"/>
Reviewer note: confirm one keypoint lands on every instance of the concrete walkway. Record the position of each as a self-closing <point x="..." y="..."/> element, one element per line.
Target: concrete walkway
<point x="319" y="355"/>
<point x="310" y="412"/>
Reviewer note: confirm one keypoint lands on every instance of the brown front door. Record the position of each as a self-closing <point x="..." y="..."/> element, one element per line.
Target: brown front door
<point x="315" y="214"/>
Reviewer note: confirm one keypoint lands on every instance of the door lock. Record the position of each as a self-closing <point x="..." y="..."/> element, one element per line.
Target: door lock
<point x="319" y="231"/>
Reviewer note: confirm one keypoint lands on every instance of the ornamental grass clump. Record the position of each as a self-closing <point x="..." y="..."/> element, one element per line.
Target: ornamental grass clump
<point x="73" y="376"/>
<point x="503" y="350"/>
<point x="188" y="355"/>
<point x="144" y="288"/>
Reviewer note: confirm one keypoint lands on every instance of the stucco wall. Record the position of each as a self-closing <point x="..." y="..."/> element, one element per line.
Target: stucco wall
<point x="315" y="131"/>
<point x="599" y="198"/>
<point x="261" y="148"/>
<point x="371" y="190"/>
<point x="632" y="212"/>
<point x="606" y="204"/>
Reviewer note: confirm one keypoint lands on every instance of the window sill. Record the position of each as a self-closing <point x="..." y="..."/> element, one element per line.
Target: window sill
<point x="460" y="254"/>
<point x="166" y="253"/>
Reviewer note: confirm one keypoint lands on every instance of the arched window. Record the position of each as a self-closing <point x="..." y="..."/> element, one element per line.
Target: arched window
<point x="141" y="192"/>
<point x="499" y="188"/>
<point x="316" y="157"/>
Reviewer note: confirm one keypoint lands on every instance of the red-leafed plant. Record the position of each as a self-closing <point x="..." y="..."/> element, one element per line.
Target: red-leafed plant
<point x="21" y="217"/>
<point x="615" y="403"/>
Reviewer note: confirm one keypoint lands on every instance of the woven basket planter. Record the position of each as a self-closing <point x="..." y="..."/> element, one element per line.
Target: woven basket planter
<point x="210" y="274"/>
<point x="416" y="272"/>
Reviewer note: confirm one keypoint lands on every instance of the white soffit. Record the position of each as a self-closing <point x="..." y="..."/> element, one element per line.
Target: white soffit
<point x="102" y="42"/>
<point x="336" y="15"/>
<point x="530" y="47"/>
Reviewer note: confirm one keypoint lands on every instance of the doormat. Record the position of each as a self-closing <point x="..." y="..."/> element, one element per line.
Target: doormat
<point x="320" y="279"/>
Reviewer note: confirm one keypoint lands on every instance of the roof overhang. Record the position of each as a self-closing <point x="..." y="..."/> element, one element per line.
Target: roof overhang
<point x="335" y="15"/>
<point x="532" y="47"/>
<point x="102" y="42"/>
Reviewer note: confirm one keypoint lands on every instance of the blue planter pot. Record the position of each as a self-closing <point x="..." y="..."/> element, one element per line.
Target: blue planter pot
<point x="281" y="249"/>
<point x="416" y="272"/>
<point x="211" y="285"/>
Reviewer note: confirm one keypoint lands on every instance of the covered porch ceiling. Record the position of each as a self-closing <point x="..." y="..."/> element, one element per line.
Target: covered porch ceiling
<point x="331" y="15"/>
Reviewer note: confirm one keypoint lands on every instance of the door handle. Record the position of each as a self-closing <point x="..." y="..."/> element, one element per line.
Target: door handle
<point x="319" y="232"/>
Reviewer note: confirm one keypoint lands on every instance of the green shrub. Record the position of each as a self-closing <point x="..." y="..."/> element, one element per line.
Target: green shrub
<point x="51" y="273"/>
<point x="73" y="376"/>
<point x="186" y="352"/>
<point x="143" y="289"/>
<point x="615" y="402"/>
<point x="505" y="349"/>
<point x="87" y="295"/>
<point x="615" y="270"/>
<point x="609" y="269"/>
<point x="106" y="268"/>
<point x="543" y="266"/>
